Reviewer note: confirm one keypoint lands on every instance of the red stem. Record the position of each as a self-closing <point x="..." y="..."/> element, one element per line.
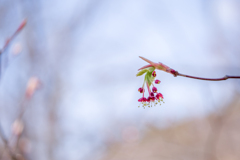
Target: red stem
<point x="148" y="89"/>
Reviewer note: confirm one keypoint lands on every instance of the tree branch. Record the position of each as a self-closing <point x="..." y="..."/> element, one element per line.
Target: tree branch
<point x="208" y="79"/>
<point x="21" y="26"/>
<point x="5" y="141"/>
<point x="2" y="136"/>
<point x="163" y="67"/>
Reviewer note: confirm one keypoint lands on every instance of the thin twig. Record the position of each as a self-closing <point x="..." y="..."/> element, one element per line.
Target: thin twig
<point x="208" y="79"/>
<point x="5" y="141"/>
<point x="2" y="136"/>
<point x="12" y="152"/>
<point x="21" y="26"/>
<point x="23" y="108"/>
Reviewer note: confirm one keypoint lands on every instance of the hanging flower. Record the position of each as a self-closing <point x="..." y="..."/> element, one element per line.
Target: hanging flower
<point x="157" y="81"/>
<point x="140" y="90"/>
<point x="154" y="97"/>
<point x="154" y="89"/>
<point x="154" y="74"/>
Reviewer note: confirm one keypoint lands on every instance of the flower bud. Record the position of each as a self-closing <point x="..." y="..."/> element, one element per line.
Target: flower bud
<point x="152" y="94"/>
<point x="17" y="127"/>
<point x="154" y="89"/>
<point x="157" y="81"/>
<point x="140" y="90"/>
<point x="32" y="86"/>
<point x="154" y="74"/>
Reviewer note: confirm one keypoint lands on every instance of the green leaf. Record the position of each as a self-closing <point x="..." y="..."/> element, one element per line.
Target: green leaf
<point x="148" y="77"/>
<point x="149" y="69"/>
<point x="142" y="72"/>
<point x="151" y="79"/>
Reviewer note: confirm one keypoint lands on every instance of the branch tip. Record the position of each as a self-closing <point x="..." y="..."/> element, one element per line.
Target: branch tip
<point x="20" y="27"/>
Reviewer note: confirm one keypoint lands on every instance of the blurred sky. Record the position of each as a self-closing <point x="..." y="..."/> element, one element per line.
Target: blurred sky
<point x="87" y="52"/>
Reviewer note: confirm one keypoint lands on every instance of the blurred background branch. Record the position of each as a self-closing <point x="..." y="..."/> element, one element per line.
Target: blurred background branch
<point x="21" y="26"/>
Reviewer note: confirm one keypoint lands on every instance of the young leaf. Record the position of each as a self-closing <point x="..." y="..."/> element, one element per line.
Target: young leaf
<point x="151" y="69"/>
<point x="142" y="72"/>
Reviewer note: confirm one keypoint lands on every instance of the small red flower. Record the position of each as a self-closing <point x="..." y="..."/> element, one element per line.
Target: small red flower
<point x="154" y="89"/>
<point x="148" y="99"/>
<point x="140" y="100"/>
<point x="157" y="81"/>
<point x="154" y="74"/>
<point x="152" y="94"/>
<point x="140" y="90"/>
<point x="152" y="98"/>
<point x="158" y="96"/>
<point x="144" y="99"/>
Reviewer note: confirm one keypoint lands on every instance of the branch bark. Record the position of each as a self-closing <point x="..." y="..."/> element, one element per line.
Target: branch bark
<point x="208" y="79"/>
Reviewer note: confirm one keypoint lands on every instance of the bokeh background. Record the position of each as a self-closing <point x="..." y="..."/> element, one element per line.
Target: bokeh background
<point x="85" y="54"/>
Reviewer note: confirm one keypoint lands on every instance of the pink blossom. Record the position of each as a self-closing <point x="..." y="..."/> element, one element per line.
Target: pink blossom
<point x="157" y="81"/>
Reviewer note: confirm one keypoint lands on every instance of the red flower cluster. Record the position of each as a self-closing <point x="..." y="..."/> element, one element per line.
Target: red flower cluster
<point x="154" y="97"/>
